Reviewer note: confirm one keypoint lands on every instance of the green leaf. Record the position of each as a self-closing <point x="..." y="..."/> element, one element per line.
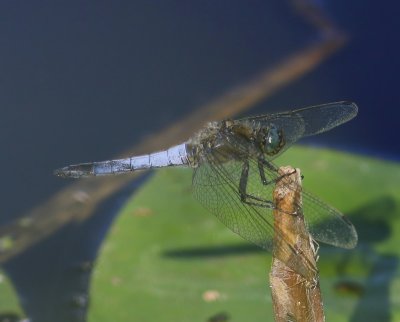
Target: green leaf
<point x="9" y="304"/>
<point x="167" y="259"/>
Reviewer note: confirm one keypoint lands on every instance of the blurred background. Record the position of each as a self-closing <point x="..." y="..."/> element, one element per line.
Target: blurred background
<point x="84" y="81"/>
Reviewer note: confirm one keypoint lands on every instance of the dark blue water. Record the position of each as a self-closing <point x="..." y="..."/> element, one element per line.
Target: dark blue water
<point x="82" y="81"/>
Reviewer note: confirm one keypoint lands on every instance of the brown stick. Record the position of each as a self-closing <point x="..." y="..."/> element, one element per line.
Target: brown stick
<point x="296" y="295"/>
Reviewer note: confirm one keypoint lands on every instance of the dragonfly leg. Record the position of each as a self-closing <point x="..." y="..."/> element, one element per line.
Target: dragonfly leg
<point x="263" y="163"/>
<point x="262" y="172"/>
<point x="248" y="198"/>
<point x="269" y="165"/>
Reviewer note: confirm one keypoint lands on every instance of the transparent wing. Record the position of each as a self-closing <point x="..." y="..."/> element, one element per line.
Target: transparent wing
<point x="327" y="224"/>
<point x="309" y="120"/>
<point x="321" y="118"/>
<point x="216" y="186"/>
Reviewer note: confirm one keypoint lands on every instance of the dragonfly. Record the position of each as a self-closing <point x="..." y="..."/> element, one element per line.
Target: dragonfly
<point x="234" y="175"/>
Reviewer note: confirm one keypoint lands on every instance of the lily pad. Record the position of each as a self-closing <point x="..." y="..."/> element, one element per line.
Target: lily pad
<point x="9" y="304"/>
<point x="167" y="259"/>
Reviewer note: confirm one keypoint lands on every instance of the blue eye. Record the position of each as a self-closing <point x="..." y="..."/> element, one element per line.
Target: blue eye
<point x="273" y="141"/>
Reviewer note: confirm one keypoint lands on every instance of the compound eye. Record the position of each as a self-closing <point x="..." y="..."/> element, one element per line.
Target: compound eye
<point x="273" y="141"/>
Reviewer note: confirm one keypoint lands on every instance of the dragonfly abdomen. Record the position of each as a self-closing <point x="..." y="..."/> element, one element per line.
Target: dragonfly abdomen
<point x="174" y="156"/>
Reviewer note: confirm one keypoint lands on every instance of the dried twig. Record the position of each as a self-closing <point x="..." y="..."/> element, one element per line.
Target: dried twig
<point x="295" y="296"/>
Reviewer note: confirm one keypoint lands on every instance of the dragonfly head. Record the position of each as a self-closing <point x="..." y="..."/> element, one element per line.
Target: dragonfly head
<point x="272" y="140"/>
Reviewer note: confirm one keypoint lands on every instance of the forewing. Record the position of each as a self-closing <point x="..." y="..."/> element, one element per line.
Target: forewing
<point x="322" y="118"/>
<point x="313" y="119"/>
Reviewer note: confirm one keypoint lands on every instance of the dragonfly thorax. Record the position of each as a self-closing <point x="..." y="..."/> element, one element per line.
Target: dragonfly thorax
<point x="265" y="139"/>
<point x="234" y="139"/>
